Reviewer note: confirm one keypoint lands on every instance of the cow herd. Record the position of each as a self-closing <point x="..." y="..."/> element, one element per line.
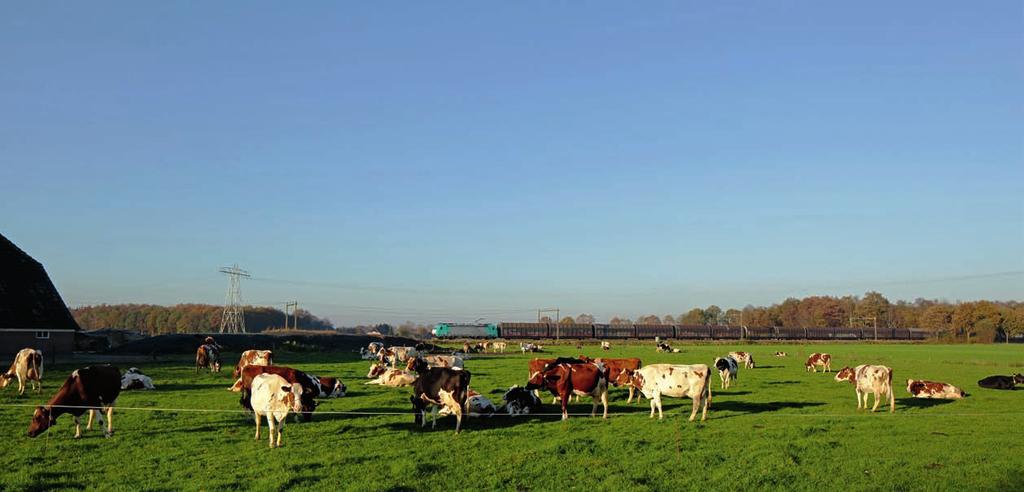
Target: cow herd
<point x="441" y="384"/>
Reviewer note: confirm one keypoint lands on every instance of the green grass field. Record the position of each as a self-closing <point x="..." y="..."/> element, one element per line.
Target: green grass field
<point x="779" y="428"/>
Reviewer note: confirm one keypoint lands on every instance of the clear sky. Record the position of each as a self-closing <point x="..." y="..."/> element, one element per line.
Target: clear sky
<point x="429" y="161"/>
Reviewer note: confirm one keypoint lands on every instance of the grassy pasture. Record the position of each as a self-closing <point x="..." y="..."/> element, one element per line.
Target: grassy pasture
<point x="779" y="428"/>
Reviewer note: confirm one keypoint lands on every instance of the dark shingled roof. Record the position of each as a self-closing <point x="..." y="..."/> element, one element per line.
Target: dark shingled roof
<point x="27" y="297"/>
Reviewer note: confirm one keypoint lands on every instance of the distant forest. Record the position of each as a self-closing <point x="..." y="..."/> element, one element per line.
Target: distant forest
<point x="186" y="318"/>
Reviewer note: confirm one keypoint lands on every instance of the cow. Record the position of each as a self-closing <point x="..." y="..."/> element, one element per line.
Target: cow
<point x="396" y="355"/>
<point x="439" y="387"/>
<point x="496" y="346"/>
<point x="530" y="347"/>
<point x="606" y="346"/>
<point x="780" y="354"/>
<point x="745" y="358"/>
<point x="329" y="387"/>
<point x="616" y="367"/>
<point x="438" y="361"/>
<point x="677" y="381"/>
<point x="664" y="347"/>
<point x="865" y="378"/>
<point x="919" y="388"/>
<point x="1001" y="382"/>
<point x="520" y="401"/>
<point x="27" y="367"/>
<point x="476" y="405"/>
<point x="93" y="389"/>
<point x="566" y="379"/>
<point x="208" y="355"/>
<point x="251" y="358"/>
<point x="728" y="370"/>
<point x="274" y="397"/>
<point x="389" y="376"/>
<point x="816" y="359"/>
<point x="135" y="379"/>
<point x="311" y="387"/>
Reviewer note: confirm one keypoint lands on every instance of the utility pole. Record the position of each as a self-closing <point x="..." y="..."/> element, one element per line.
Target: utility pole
<point x="558" y="328"/>
<point x="233" y="319"/>
<point x="874" y="321"/>
<point x="295" y="316"/>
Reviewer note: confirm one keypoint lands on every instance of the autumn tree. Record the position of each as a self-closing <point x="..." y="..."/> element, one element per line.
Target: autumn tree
<point x="694" y="316"/>
<point x="585" y="319"/>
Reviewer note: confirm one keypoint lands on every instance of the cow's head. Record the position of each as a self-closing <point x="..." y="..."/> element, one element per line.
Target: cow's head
<point x="291" y="395"/>
<point x="846" y="374"/>
<point x="333" y="387"/>
<point x="42" y="419"/>
<point x="377" y="369"/>
<point x="1018" y="378"/>
<point x="548" y="378"/>
<point x="623" y="378"/>
<point x="417" y="364"/>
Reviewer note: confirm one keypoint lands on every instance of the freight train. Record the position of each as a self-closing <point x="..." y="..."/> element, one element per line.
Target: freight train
<point x="681" y="332"/>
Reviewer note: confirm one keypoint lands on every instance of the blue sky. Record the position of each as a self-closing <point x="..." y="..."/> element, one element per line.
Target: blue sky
<point x="467" y="160"/>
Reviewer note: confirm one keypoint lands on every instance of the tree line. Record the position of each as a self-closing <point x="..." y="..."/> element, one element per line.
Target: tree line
<point x="983" y="321"/>
<point x="186" y="318"/>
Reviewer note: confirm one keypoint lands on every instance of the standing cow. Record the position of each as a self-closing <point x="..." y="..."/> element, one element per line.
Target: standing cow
<point x="439" y="387"/>
<point x="93" y="389"/>
<point x="208" y="355"/>
<point x="676" y="381"/>
<point x="876" y="380"/>
<point x="250" y="358"/>
<point x="565" y="379"/>
<point x="728" y="370"/>
<point x="27" y="366"/>
<point x="816" y="359"/>
<point x="745" y="358"/>
<point x="274" y="397"/>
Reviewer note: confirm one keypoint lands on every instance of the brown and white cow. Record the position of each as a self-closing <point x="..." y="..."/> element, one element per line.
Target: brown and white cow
<point x="311" y="386"/>
<point x="564" y="380"/>
<point x="676" y="381"/>
<point x="499" y="346"/>
<point x="389" y="376"/>
<point x="208" y="355"/>
<point x="439" y="387"/>
<point x="27" y="367"/>
<point x="437" y="361"/>
<point x="93" y="389"/>
<point x="816" y="359"/>
<point x="745" y="358"/>
<point x="616" y="367"/>
<point x="780" y="354"/>
<point x="274" y="396"/>
<point x="250" y="358"/>
<point x="477" y="405"/>
<point x="876" y="380"/>
<point x="396" y="355"/>
<point x="606" y="345"/>
<point x="919" y="388"/>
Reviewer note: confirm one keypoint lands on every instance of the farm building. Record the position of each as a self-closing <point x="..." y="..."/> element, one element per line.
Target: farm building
<point x="32" y="313"/>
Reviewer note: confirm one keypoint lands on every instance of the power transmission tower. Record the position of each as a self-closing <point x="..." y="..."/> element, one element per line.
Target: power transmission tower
<point x="295" y="314"/>
<point x="233" y="319"/>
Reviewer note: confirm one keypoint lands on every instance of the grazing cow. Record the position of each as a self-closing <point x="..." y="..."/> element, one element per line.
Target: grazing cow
<point x="274" y="397"/>
<point x="566" y="379"/>
<point x="677" y="381"/>
<point x="1001" y="382"/>
<point x="439" y="387"/>
<point x="208" y="355"/>
<point x="27" y="366"/>
<point x="252" y="358"/>
<point x="919" y="388"/>
<point x="728" y="370"/>
<point x="876" y="380"/>
<point x="311" y="387"/>
<point x="606" y="346"/>
<point x="438" y="361"/>
<point x="499" y="346"/>
<point x="664" y="347"/>
<point x="93" y="388"/>
<point x="135" y="379"/>
<point x="389" y="376"/>
<point x="520" y="401"/>
<point x="816" y="359"/>
<point x="616" y="367"/>
<point x="476" y="405"/>
<point x="780" y="354"/>
<point x="745" y="358"/>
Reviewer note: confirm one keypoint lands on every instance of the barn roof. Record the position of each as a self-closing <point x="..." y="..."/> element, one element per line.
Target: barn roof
<point x="28" y="299"/>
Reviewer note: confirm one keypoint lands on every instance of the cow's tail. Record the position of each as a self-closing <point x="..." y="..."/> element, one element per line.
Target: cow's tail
<point x="892" y="394"/>
<point x="463" y="396"/>
<point x="707" y="384"/>
<point x="35" y="370"/>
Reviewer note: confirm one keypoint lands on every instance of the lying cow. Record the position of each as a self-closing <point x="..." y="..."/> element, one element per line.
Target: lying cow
<point x="311" y="386"/>
<point x="728" y="370"/>
<point x="208" y="355"/>
<point x="439" y="387"/>
<point x="780" y="354"/>
<point x="389" y="376"/>
<point x="135" y="379"/>
<point x="27" y="367"/>
<point x="520" y="401"/>
<point x="397" y="355"/>
<point x="274" y="397"/>
<point x="606" y="346"/>
<point x="476" y="405"/>
<point x="816" y="359"/>
<point x="1001" y="382"/>
<point x="250" y="358"/>
<point x="664" y="347"/>
<point x="676" y="381"/>
<point x="530" y="347"/>
<point x="919" y="388"/>
<point x="745" y="358"/>
<point x="438" y="361"/>
<point x="876" y="380"/>
<point x="93" y="389"/>
<point x="564" y="380"/>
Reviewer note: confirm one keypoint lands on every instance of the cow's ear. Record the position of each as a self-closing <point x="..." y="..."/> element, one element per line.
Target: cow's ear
<point x="286" y="389"/>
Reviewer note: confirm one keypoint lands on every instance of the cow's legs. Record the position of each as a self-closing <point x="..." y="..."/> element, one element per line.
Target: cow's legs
<point x="878" y="399"/>
<point x="78" y="427"/>
<point x="565" y="404"/>
<point x="707" y="403"/>
<point x="273" y="428"/>
<point x="88" y="425"/>
<point x="892" y="401"/>
<point x="858" y="400"/>
<point x="21" y="385"/>
<point x="433" y="416"/>
<point x="604" y="402"/>
<point x="652" y="406"/>
<point x="99" y="418"/>
<point x="257" y="414"/>
<point x="110" y="420"/>
<point x="657" y="401"/>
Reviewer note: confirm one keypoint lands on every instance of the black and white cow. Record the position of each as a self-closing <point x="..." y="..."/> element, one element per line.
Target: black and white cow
<point x="728" y="370"/>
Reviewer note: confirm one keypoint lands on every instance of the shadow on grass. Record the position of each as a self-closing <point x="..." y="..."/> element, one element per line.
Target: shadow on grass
<point x="751" y="407"/>
<point x="187" y="387"/>
<point x="920" y="402"/>
<point x="45" y="481"/>
<point x="782" y="382"/>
